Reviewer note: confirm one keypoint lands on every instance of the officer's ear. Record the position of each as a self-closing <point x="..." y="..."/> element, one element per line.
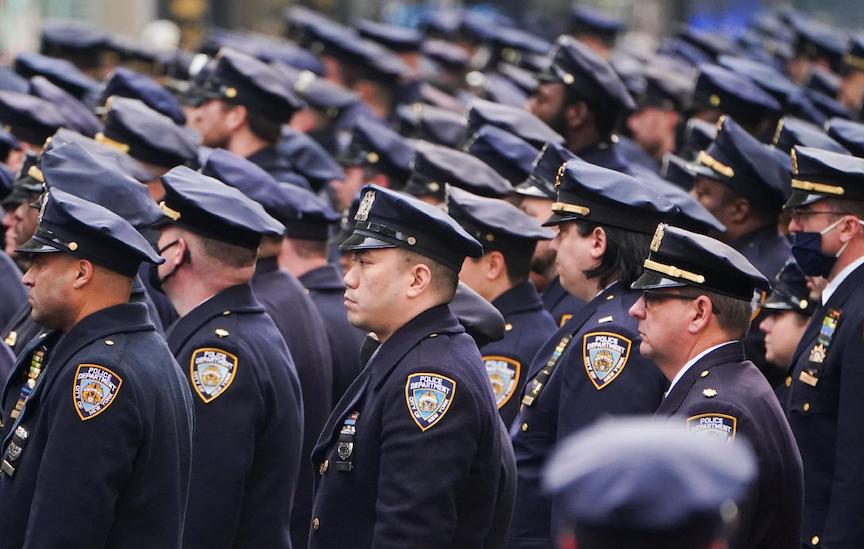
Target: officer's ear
<point x="700" y="313"/>
<point x="739" y="209"/>
<point x="420" y="279"/>
<point x="83" y="273"/>
<point x="496" y="266"/>
<point x="599" y="243"/>
<point x="235" y="117"/>
<point x="577" y="114"/>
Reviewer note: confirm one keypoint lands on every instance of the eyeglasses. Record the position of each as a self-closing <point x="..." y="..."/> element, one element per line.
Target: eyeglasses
<point x="797" y="214"/>
<point x="655" y="297"/>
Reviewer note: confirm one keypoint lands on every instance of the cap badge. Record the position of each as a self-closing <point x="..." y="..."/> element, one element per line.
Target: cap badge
<point x="658" y="238"/>
<point x="560" y="174"/>
<point x="365" y="206"/>
<point x="42" y="207"/>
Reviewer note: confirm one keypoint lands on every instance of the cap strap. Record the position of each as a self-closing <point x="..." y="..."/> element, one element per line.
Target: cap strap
<point x="386" y="231"/>
<point x="101" y="138"/>
<point x="818" y="187"/>
<point x="708" y="160"/>
<point x="571" y="208"/>
<point x="673" y="271"/>
<point x="174" y="215"/>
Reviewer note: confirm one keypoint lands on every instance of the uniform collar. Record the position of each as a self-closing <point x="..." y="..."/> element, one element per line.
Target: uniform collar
<point x="725" y="353"/>
<point x="323" y="278"/>
<point x="266" y="265"/>
<point x="689" y="364"/>
<point x="235" y="299"/>
<point x="521" y="298"/>
<point x="832" y="286"/>
<point x="429" y="323"/>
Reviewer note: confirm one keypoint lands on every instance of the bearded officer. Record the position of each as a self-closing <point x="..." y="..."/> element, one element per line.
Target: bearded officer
<point x="414" y="454"/>
<point x="695" y="309"/>
<point x="591" y="367"/>
<point x="248" y="409"/>
<point x="97" y="420"/>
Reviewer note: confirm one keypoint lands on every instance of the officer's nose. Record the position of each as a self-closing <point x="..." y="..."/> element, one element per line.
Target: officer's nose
<point x="638" y="309"/>
<point x="766" y="324"/>
<point x="350" y="277"/>
<point x="28" y="278"/>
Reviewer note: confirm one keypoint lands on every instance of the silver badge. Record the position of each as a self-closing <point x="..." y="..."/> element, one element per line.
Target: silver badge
<point x="344" y="450"/>
<point x="365" y="206"/>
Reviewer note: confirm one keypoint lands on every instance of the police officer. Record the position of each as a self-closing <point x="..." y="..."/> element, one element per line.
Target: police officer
<point x="501" y="277"/>
<point x="97" y="421"/>
<point x="415" y="451"/>
<point x="786" y="314"/>
<point x="591" y="367"/>
<point x="293" y="312"/>
<point x="581" y="97"/>
<point x="536" y="196"/>
<point x="248" y="408"/>
<point x="647" y="483"/>
<point x="696" y="306"/>
<point x="822" y="404"/>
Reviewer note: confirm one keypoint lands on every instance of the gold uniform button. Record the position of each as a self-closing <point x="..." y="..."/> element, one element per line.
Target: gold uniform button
<point x="806" y="407"/>
<point x="524" y="427"/>
<point x="814" y="540"/>
<point x="704" y="373"/>
<point x="109" y="342"/>
<point x="323" y="467"/>
<point x="788" y="381"/>
<point x="316" y="523"/>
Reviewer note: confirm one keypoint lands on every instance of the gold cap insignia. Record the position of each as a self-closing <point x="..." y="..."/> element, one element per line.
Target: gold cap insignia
<point x="658" y="237"/>
<point x="560" y="175"/>
<point x="365" y="206"/>
<point x="172" y="214"/>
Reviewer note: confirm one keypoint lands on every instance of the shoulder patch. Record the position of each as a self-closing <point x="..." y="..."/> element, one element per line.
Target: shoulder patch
<point x="604" y="355"/>
<point x="212" y="371"/>
<point x="428" y="397"/>
<point x="94" y="389"/>
<point x="503" y="374"/>
<point x="721" y="426"/>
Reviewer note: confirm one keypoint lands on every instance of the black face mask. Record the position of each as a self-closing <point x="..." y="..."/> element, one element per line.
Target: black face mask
<point x="153" y="274"/>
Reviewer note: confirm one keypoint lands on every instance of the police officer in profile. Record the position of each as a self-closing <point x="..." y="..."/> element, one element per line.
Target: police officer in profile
<point x="501" y="277"/>
<point x="786" y="314"/>
<point x="823" y="403"/>
<point x="248" y="408"/>
<point x="97" y="420"/>
<point x="649" y="484"/>
<point x="696" y="305"/>
<point x="415" y="452"/>
<point x="591" y="367"/>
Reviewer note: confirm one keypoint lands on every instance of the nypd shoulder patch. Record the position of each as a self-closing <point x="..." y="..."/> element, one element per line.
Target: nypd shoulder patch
<point x="428" y="397"/>
<point x="212" y="371"/>
<point x="94" y="390"/>
<point x="604" y="355"/>
<point x="721" y="426"/>
<point x="503" y="374"/>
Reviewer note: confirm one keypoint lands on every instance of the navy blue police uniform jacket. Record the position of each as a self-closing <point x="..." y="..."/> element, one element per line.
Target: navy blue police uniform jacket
<point x="415" y="455"/>
<point x="527" y="326"/>
<point x="589" y="369"/>
<point x="328" y="292"/>
<point x="248" y="423"/>
<point x="724" y="395"/>
<point x="768" y="251"/>
<point x="276" y="163"/>
<point x="7" y="362"/>
<point x="297" y="319"/>
<point x="824" y="406"/>
<point x="100" y="455"/>
<point x="12" y="292"/>
<point x="560" y="303"/>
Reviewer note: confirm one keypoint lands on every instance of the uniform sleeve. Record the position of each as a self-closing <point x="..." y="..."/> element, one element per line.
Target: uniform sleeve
<point x="95" y="432"/>
<point x="843" y="526"/>
<point x="430" y="434"/>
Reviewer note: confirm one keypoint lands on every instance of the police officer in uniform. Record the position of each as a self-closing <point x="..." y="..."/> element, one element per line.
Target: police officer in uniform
<point x="823" y="403"/>
<point x="97" y="421"/>
<point x="696" y="307"/>
<point x="248" y="408"/>
<point x="415" y="452"/>
<point x="501" y="277"/>
<point x="293" y="312"/>
<point x="591" y="367"/>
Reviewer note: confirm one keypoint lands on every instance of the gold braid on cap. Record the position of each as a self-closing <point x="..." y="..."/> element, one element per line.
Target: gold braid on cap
<point x="172" y="214"/>
<point x="707" y="160"/>
<point x="673" y="271"/>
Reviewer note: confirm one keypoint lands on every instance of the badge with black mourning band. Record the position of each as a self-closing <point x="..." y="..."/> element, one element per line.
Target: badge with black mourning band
<point x="819" y="352"/>
<point x="212" y="371"/>
<point x="345" y="444"/>
<point x="13" y="453"/>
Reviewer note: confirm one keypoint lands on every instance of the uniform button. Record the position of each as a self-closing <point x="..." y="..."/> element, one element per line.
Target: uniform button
<point x="806" y="407"/>
<point x="315" y="523"/>
<point x="323" y="467"/>
<point x="788" y="381"/>
<point x="814" y="540"/>
<point x="524" y="427"/>
<point x="704" y="373"/>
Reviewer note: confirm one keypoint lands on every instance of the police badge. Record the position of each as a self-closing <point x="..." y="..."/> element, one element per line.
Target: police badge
<point x="212" y="371"/>
<point x="720" y="426"/>
<point x="503" y="374"/>
<point x="94" y="390"/>
<point x="364" y="207"/>
<point x="604" y="355"/>
<point x="428" y="397"/>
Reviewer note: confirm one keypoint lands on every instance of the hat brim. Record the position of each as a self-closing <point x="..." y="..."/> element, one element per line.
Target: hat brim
<point x="801" y="198"/>
<point x="37" y="246"/>
<point x="358" y="241"/>
<point x="700" y="170"/>
<point x="559" y="218"/>
<point x="530" y="189"/>
<point x="650" y="280"/>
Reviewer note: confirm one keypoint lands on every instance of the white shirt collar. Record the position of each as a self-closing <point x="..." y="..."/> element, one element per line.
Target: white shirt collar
<point x="690" y="363"/>
<point x="837" y="280"/>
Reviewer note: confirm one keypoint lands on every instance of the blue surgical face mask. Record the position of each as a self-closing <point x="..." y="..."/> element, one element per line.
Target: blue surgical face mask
<point x="807" y="250"/>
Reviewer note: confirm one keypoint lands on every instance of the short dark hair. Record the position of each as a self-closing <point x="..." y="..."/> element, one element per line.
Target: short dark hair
<point x="517" y="261"/>
<point x="626" y="252"/>
<point x="444" y="279"/>
<point x="605" y="119"/>
<point x="850" y="207"/>
<point x="229" y="254"/>
<point x="306" y="247"/>
<point x="264" y="127"/>
<point x="734" y="315"/>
